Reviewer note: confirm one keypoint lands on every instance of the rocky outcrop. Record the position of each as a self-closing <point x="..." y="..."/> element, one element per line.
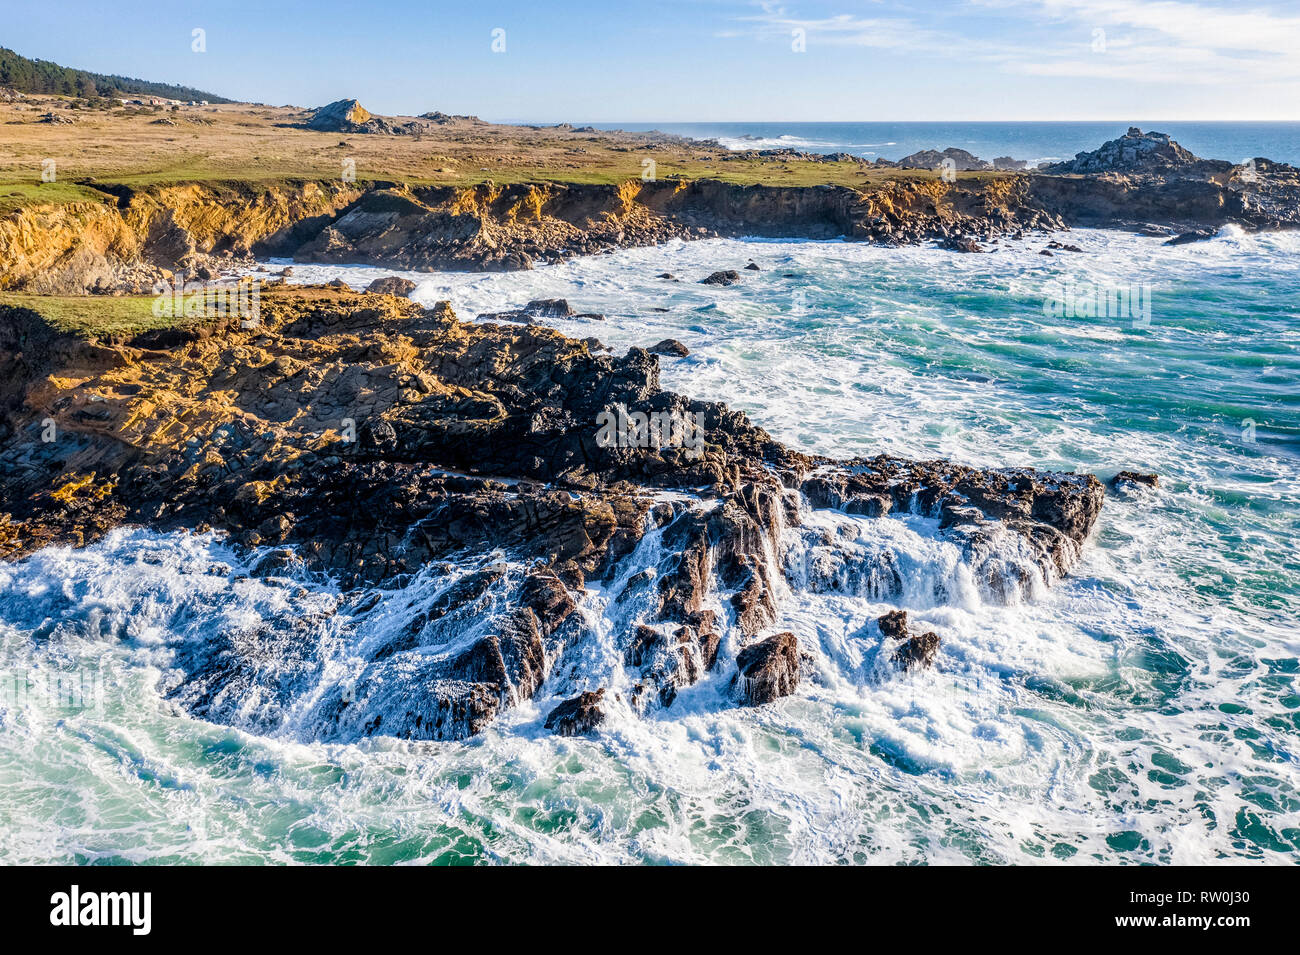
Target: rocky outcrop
<point x="669" y="347"/>
<point x="724" y="277"/>
<point x="539" y="310"/>
<point x="1134" y="479"/>
<point x="341" y="116"/>
<point x="389" y="445"/>
<point x="958" y="160"/>
<point x="768" y="669"/>
<point x="1135" y="151"/>
<point x="578" y="716"/>
<point x="910" y="650"/>
<point x="391" y="285"/>
<point x="1146" y="182"/>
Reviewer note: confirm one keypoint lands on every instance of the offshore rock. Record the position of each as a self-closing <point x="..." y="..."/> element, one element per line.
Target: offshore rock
<point x="912" y="650"/>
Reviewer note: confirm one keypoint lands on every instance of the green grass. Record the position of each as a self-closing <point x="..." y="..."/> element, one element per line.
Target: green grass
<point x="19" y="194"/>
<point x="95" y="316"/>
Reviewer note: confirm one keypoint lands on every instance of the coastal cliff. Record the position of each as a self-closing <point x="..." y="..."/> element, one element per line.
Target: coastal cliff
<point x="138" y="237"/>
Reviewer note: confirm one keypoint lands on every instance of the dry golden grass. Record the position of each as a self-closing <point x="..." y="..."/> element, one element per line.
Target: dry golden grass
<point x="129" y="146"/>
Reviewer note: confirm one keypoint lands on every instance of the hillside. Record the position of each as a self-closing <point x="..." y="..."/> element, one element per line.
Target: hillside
<point x="41" y="76"/>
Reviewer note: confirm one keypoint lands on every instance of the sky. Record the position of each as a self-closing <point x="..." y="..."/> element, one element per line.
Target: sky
<point x="701" y="60"/>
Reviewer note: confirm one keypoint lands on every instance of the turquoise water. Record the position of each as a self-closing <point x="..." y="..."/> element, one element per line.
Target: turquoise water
<point x="1144" y="710"/>
<point x="1032" y="142"/>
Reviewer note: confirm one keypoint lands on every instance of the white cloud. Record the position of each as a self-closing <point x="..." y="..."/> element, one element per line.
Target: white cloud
<point x="1152" y="41"/>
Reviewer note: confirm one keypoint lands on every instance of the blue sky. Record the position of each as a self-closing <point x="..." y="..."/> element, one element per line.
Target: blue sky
<point x="706" y="60"/>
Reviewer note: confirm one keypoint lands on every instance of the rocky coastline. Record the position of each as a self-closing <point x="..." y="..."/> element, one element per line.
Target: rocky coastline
<point x="146" y="235"/>
<point x="377" y="442"/>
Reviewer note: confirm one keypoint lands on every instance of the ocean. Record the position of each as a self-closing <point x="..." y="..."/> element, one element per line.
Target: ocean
<point x="1033" y="142"/>
<point x="1145" y="709"/>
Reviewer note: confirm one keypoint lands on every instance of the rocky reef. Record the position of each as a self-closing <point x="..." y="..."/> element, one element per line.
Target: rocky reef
<point x="399" y="449"/>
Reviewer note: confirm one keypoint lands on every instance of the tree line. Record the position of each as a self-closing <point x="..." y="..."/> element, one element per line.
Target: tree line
<point x="42" y="76"/>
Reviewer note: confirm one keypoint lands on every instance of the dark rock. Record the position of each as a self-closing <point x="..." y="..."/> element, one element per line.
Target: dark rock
<point x="753" y="267"/>
<point x="768" y="669"/>
<point x="671" y="347"/>
<point x="728" y="277"/>
<point x="577" y="716"/>
<point x="1135" y="151"/>
<point x="1135" y="478"/>
<point x="917" y="651"/>
<point x="894" y="624"/>
<point x="961" y="244"/>
<point x="913" y="650"/>
<point x="539" y="310"/>
<point x="1196" y="235"/>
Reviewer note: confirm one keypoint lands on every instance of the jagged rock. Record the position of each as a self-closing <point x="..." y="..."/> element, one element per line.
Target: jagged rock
<point x="728" y="277"/>
<point x="753" y="267"/>
<point x="961" y="244"/>
<point x="539" y="310"/>
<point x="918" y="650"/>
<point x="1135" y="151"/>
<point x="769" y="669"/>
<point x="391" y="285"/>
<point x="377" y="439"/>
<point x="1134" y="478"/>
<point x="961" y="160"/>
<point x="671" y="347"/>
<point x="578" y="716"/>
<point x="343" y="116"/>
<point x="913" y="650"/>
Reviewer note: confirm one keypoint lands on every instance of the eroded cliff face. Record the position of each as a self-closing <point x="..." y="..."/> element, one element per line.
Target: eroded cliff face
<point x="139" y="237"/>
<point x="391" y="446"/>
<point x="135" y="238"/>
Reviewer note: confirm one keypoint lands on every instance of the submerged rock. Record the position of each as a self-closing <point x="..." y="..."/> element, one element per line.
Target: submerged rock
<point x="769" y="669"/>
<point x="539" y="310"/>
<point x="1195" y="235"/>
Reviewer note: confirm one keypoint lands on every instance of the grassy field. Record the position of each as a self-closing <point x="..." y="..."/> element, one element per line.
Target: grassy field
<point x="142" y="148"/>
<point x="99" y="316"/>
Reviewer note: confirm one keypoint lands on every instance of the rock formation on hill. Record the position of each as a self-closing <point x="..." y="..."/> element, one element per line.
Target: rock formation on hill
<point x="1135" y="151"/>
<point x="961" y="160"/>
<point x="392" y="446"/>
<point x="349" y="116"/>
